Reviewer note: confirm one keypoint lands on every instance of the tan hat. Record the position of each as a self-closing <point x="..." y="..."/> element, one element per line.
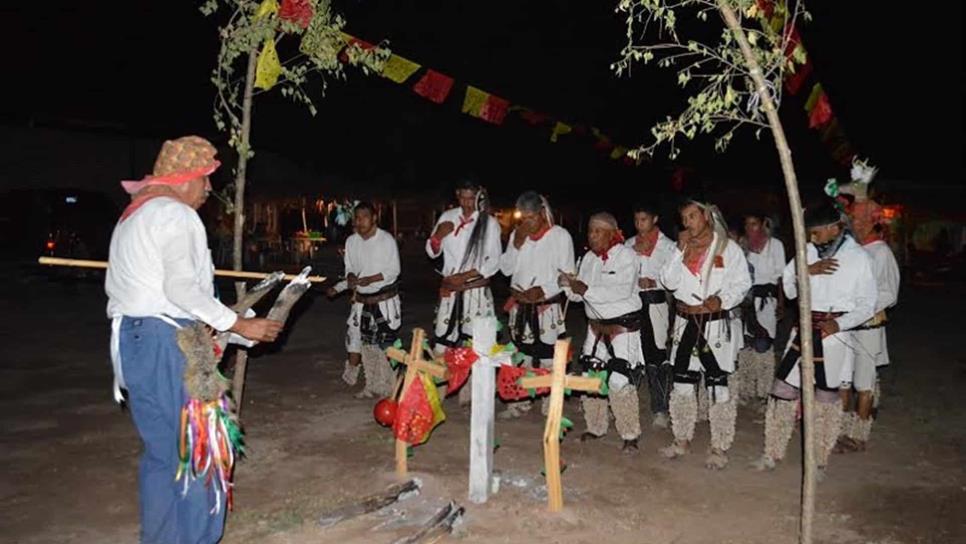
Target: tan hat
<point x="180" y="161"/>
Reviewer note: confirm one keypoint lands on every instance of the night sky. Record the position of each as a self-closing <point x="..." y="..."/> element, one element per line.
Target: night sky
<point x="142" y="69"/>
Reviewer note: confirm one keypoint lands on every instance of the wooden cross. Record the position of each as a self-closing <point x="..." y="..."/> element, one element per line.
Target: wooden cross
<point x="414" y="364"/>
<point x="558" y="380"/>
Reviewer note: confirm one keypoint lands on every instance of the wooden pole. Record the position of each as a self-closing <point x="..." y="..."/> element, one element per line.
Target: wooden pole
<point x="395" y="221"/>
<point x="801" y="269"/>
<point x="551" y="433"/>
<point x="241" y="355"/>
<point x="82" y="263"/>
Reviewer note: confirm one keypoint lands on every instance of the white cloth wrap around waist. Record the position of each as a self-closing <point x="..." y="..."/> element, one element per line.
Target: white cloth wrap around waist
<point x="116" y="351"/>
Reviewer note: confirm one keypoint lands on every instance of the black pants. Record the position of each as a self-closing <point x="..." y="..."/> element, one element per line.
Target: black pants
<point x="656" y="364"/>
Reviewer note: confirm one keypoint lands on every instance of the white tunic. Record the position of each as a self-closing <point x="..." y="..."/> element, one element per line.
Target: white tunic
<point x="160" y="263"/>
<point x="476" y="302"/>
<point x="611" y="292"/>
<point x="767" y="267"/>
<point x="611" y="284"/>
<point x="650" y="267"/>
<point x="538" y="263"/>
<point x="850" y="289"/>
<point x="454" y="245"/>
<point x="368" y="257"/>
<point x="729" y="280"/>
<point x="872" y="342"/>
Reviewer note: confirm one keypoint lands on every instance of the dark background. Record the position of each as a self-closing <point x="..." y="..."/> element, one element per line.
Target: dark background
<point x="141" y="69"/>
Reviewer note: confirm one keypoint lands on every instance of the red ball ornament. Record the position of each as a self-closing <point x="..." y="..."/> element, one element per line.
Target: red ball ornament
<point x="385" y="412"/>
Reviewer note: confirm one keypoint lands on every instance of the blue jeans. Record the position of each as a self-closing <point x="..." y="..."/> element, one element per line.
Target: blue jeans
<point x="153" y="367"/>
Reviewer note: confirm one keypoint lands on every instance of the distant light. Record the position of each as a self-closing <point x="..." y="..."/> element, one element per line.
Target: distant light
<point x="71" y="200"/>
<point x="51" y="245"/>
<point x="890" y="212"/>
<point x="517" y="214"/>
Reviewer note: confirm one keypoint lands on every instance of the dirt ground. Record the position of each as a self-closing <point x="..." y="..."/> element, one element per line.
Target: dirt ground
<point x="69" y="454"/>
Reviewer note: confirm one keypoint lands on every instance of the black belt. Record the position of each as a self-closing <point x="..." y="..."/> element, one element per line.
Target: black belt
<point x="630" y="321"/>
<point x="765" y="290"/>
<point x="385" y="293"/>
<point x="528" y="313"/>
<point x="653" y="296"/>
<point x="794" y="352"/>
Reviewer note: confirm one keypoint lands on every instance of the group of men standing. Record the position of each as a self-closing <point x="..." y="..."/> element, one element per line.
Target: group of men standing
<point x="689" y="318"/>
<point x="696" y="320"/>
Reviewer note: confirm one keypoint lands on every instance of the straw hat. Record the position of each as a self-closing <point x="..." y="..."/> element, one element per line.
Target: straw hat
<point x="180" y="161"/>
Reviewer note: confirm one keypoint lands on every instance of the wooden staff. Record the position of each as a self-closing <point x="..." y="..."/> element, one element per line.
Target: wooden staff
<point x="81" y="263"/>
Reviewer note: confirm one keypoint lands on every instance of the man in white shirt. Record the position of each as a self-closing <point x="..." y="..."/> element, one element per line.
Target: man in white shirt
<point x="843" y="294"/>
<point x="606" y="282"/>
<point x="653" y="250"/>
<point x="371" y="272"/>
<point x="160" y="277"/>
<point x="468" y="239"/>
<point x="870" y="337"/>
<point x="536" y="255"/>
<point x="766" y="257"/>
<point x="708" y="275"/>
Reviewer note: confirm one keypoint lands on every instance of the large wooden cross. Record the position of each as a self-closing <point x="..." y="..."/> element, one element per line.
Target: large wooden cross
<point x="558" y="381"/>
<point x="414" y="364"/>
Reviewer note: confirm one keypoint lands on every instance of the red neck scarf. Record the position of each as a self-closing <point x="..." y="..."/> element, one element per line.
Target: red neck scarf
<point x="141" y="200"/>
<point x="540" y="234"/>
<point x="757" y="241"/>
<point x="464" y="221"/>
<point x="648" y="241"/>
<point x="616" y="240"/>
<point x="695" y="256"/>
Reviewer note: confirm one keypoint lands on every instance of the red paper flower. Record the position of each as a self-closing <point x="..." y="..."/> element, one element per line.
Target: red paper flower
<point x="296" y="11"/>
<point x="458" y="361"/>
<point x="507" y="385"/>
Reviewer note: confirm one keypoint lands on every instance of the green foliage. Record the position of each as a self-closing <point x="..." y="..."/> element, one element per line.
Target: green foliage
<point x="243" y="31"/>
<point x="722" y="98"/>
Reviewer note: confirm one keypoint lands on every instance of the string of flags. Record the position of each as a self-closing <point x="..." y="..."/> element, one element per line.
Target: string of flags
<point x="821" y="116"/>
<point x="438" y="88"/>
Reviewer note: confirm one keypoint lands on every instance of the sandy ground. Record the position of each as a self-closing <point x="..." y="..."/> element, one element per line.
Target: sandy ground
<point x="69" y="454"/>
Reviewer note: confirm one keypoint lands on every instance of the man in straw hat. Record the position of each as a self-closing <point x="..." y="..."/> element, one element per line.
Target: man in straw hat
<point x="537" y="253"/>
<point x="606" y="282"/>
<point x="843" y="295"/>
<point x="159" y="278"/>
<point x="709" y="277"/>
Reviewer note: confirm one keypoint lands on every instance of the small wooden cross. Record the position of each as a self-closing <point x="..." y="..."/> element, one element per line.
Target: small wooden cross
<point x="414" y="364"/>
<point x="558" y="381"/>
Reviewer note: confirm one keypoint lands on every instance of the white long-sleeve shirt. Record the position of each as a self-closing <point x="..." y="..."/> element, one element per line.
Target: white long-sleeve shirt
<point x="729" y="279"/>
<point x="850" y="289"/>
<point x="611" y="285"/>
<point x="768" y="264"/>
<point x="886" y="271"/>
<point x="377" y="255"/>
<point x="538" y="263"/>
<point x="454" y="245"/>
<point x="159" y="263"/>
<point x="650" y="266"/>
